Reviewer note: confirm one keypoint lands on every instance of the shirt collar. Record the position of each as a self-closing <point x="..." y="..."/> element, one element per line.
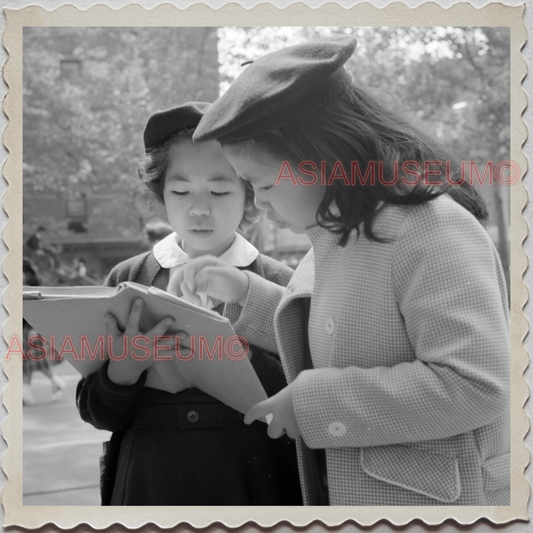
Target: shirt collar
<point x="168" y="252"/>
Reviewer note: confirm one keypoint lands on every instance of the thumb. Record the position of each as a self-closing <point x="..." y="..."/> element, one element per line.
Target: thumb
<point x="258" y="411"/>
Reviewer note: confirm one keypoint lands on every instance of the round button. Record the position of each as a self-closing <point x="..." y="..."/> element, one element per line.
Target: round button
<point x="193" y="416"/>
<point x="337" y="429"/>
<point x="330" y="326"/>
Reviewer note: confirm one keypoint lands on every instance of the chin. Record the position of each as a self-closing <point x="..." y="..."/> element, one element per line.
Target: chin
<point x="296" y="230"/>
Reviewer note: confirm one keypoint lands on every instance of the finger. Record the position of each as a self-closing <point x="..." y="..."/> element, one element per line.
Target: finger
<point x="201" y="283"/>
<point x="111" y="327"/>
<point x="189" y="295"/>
<point x="204" y="280"/>
<point x="182" y="352"/>
<point x="176" y="279"/>
<point x="161" y="327"/>
<point x="292" y="434"/>
<point x="135" y="315"/>
<point x="189" y="272"/>
<point x="259" y="410"/>
<point x="182" y="339"/>
<point x="275" y="430"/>
<point x="193" y="269"/>
<point x="178" y="338"/>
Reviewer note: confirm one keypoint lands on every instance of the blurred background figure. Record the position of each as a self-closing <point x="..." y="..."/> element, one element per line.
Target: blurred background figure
<point x="80" y="267"/>
<point x="40" y="253"/>
<point x="34" y="241"/>
<point x="155" y="230"/>
<point x="34" y="361"/>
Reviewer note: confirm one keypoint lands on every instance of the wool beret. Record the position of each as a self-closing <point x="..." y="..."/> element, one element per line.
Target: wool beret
<point x="163" y="124"/>
<point x="278" y="89"/>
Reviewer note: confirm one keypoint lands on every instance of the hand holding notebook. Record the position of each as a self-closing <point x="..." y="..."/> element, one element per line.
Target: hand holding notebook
<point x="72" y="319"/>
<point x="128" y="370"/>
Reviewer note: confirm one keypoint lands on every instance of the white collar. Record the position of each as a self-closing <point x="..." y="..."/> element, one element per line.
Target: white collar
<point x="168" y="252"/>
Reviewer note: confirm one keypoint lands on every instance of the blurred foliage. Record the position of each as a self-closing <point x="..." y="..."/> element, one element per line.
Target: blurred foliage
<point x="89" y="91"/>
<point x="87" y="95"/>
<point x="454" y="82"/>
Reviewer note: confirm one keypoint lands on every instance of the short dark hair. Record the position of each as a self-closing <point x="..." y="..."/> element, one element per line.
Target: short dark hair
<point x="355" y="126"/>
<point x="153" y="167"/>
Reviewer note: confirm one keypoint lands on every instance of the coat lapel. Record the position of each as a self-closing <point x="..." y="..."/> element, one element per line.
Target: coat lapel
<point x="291" y="316"/>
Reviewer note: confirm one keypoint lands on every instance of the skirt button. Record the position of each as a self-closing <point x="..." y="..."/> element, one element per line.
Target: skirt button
<point x="193" y="416"/>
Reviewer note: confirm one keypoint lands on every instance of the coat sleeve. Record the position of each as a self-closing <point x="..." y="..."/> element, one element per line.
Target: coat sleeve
<point x="106" y="405"/>
<point x="102" y="403"/>
<point x="265" y="360"/>
<point x="255" y="322"/>
<point x="450" y="292"/>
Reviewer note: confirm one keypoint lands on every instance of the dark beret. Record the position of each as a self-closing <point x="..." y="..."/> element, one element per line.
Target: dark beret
<point x="278" y="89"/>
<point x="163" y="124"/>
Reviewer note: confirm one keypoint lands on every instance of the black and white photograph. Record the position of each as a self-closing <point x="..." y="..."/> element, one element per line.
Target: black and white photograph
<point x="268" y="266"/>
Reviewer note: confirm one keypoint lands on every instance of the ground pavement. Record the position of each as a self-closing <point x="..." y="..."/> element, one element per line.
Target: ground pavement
<point x="60" y="451"/>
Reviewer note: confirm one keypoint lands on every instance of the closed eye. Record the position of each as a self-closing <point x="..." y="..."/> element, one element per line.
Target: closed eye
<point x="220" y="193"/>
<point x="267" y="188"/>
<point x="180" y="193"/>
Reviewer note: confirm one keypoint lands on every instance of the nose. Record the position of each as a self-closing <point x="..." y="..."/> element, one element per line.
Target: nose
<point x="200" y="206"/>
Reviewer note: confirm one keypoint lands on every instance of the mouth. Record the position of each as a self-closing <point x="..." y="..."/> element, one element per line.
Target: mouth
<point x="200" y="232"/>
<point x="279" y="223"/>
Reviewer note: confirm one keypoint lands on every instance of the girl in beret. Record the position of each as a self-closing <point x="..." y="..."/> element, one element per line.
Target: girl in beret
<point x="188" y="448"/>
<point x="393" y="331"/>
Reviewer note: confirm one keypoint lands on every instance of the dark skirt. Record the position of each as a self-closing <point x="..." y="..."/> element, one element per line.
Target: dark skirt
<point x="190" y="449"/>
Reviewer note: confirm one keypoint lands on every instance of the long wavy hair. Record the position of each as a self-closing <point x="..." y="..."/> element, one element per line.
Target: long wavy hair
<point x="353" y="126"/>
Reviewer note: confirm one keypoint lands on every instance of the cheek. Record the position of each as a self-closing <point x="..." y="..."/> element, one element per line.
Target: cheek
<point x="173" y="207"/>
<point x="167" y="197"/>
<point x="240" y="201"/>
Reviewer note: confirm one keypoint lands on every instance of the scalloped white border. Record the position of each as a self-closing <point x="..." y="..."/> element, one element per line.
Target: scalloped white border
<point x="265" y="14"/>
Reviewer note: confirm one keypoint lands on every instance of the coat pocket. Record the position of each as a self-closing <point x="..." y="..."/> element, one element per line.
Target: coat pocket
<point x="497" y="473"/>
<point x="431" y="474"/>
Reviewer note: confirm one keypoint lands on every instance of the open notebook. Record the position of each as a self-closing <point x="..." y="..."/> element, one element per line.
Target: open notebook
<point x="74" y="317"/>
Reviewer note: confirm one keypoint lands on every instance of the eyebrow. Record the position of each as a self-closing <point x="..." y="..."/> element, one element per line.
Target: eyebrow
<point x="221" y="179"/>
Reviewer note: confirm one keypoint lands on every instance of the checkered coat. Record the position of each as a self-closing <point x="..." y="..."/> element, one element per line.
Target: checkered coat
<point x="409" y="340"/>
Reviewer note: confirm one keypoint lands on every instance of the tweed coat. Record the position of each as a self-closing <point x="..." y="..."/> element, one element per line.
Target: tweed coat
<point x="409" y="339"/>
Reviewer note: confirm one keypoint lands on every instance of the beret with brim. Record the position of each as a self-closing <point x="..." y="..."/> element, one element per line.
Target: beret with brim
<point x="163" y="124"/>
<point x="278" y="89"/>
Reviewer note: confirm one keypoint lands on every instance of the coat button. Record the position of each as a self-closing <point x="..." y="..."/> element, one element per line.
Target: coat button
<point x="330" y="326"/>
<point x="337" y="429"/>
<point x="193" y="416"/>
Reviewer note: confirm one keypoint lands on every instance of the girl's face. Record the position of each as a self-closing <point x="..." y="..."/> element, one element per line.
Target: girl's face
<point x="289" y="205"/>
<point x="204" y="198"/>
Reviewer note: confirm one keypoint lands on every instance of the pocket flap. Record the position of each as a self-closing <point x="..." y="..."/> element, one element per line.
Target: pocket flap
<point x="497" y="472"/>
<point x="434" y="475"/>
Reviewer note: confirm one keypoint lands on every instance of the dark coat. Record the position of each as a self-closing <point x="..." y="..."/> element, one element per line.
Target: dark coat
<point x="115" y="408"/>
